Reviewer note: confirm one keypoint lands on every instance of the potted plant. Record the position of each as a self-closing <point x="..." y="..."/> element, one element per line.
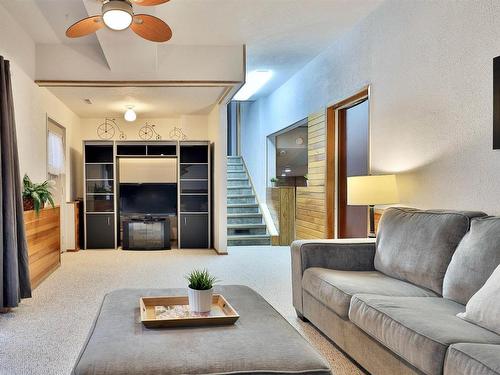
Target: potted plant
<point x="200" y="290"/>
<point x="36" y="195"/>
<point x="306" y="177"/>
<point x="274" y="180"/>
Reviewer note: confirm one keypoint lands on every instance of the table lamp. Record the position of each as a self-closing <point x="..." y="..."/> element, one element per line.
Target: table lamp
<point x="370" y="191"/>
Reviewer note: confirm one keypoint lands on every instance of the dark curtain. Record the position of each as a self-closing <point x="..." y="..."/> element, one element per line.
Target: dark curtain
<point x="14" y="272"/>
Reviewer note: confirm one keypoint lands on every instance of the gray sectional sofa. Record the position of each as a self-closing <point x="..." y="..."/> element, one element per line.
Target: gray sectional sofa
<point x="391" y="304"/>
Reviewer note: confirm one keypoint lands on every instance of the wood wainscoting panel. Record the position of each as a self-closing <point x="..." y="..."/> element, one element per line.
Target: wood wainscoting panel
<point x="310" y="213"/>
<point x="44" y="243"/>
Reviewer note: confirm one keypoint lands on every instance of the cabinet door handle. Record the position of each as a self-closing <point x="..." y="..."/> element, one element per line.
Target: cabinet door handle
<point x="108" y="220"/>
<point x="185" y="221"/>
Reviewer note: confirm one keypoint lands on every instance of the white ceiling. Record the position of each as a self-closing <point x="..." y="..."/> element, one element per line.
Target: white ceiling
<point x="280" y="35"/>
<point x="148" y="102"/>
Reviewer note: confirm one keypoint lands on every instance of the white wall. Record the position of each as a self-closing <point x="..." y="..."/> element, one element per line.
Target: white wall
<point x="194" y="127"/>
<point x="217" y="127"/>
<point x="33" y="104"/>
<point x="429" y="65"/>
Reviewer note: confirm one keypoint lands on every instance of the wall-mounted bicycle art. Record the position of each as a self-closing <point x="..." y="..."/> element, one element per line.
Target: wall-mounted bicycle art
<point x="176" y="134"/>
<point x="148" y="132"/>
<point x="108" y="128"/>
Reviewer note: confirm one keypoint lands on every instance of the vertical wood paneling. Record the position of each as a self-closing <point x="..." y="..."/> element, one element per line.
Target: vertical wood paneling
<point x="311" y="215"/>
<point x="44" y="243"/>
<point x="287" y="215"/>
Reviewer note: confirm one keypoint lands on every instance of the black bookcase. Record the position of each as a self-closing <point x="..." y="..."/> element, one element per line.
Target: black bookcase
<point x="99" y="199"/>
<point x="194" y="197"/>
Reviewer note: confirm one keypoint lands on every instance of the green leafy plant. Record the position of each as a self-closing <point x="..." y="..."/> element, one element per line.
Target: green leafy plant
<point x="36" y="195"/>
<point x="274" y="179"/>
<point x="201" y="280"/>
<point x="306" y="176"/>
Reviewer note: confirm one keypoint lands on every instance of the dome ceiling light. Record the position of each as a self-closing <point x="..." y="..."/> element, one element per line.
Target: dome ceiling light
<point x="130" y="114"/>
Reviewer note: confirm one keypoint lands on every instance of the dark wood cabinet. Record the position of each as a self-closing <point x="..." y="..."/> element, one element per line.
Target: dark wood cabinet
<point x="194" y="231"/>
<point x="100" y="231"/>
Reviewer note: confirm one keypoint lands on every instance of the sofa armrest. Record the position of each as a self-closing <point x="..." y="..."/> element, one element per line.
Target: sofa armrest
<point x="343" y="254"/>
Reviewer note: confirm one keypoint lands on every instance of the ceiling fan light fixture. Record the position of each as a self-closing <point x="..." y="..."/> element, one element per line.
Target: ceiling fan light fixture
<point x="117" y="14"/>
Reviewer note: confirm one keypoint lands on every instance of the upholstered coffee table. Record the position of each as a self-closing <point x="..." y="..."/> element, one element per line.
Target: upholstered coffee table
<point x="261" y="341"/>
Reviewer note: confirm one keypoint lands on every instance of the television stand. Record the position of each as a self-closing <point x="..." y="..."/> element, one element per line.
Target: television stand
<point x="146" y="233"/>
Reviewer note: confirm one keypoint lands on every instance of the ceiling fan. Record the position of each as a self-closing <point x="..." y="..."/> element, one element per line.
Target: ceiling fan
<point x="119" y="15"/>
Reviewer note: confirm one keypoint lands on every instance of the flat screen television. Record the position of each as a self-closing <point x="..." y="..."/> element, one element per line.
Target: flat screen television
<point x="148" y="199"/>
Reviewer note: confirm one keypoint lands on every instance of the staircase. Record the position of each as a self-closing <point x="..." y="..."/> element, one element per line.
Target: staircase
<point x="245" y="225"/>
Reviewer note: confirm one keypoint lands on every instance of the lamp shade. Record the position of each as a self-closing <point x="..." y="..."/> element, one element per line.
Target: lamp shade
<point x="372" y="190"/>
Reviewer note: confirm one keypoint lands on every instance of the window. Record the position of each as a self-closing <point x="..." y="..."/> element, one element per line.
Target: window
<point x="55" y="154"/>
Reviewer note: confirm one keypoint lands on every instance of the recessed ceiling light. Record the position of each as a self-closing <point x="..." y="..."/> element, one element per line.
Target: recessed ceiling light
<point x="87" y="100"/>
<point x="254" y="81"/>
<point x="130" y="114"/>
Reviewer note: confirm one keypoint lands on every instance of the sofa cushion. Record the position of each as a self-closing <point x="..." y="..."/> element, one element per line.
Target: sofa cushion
<point x="472" y="359"/>
<point x="476" y="257"/>
<point x="417" y="246"/>
<point x="419" y="330"/>
<point x="335" y="288"/>
<point x="484" y="307"/>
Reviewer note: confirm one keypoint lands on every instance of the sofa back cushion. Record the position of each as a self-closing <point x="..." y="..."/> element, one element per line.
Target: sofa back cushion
<point x="417" y="245"/>
<point x="476" y="257"/>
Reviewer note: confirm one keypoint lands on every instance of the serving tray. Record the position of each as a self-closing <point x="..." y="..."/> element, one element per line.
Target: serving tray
<point x="170" y="311"/>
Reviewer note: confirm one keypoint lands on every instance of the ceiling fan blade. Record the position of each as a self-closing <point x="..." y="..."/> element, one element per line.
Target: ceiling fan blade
<point x="148" y="3"/>
<point x="84" y="27"/>
<point x="151" y="28"/>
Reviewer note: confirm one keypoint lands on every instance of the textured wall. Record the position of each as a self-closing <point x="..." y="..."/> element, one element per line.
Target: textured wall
<point x="429" y="64"/>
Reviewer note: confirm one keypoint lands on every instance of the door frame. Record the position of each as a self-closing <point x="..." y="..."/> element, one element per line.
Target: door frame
<point x="50" y="121"/>
<point x="332" y="154"/>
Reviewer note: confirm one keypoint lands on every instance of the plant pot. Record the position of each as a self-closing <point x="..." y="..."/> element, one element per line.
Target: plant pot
<point x="28" y="204"/>
<point x="200" y="301"/>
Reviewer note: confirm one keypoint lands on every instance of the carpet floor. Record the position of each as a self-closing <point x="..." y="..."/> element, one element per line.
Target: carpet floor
<point x="44" y="334"/>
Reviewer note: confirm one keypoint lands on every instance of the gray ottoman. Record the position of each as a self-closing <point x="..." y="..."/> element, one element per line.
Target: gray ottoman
<point x="261" y="342"/>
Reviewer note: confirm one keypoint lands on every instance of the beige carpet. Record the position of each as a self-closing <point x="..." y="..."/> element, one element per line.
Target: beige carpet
<point x="45" y="334"/>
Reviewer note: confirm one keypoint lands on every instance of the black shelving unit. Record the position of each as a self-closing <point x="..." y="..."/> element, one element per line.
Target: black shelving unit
<point x="99" y="195"/>
<point x="101" y="219"/>
<point x="194" y="197"/>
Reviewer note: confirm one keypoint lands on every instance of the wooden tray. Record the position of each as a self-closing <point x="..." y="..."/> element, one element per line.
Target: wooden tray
<point x="174" y="312"/>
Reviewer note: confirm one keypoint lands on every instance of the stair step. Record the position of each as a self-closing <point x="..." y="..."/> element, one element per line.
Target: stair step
<point x="249" y="240"/>
<point x="235" y="190"/>
<point x="238" y="183"/>
<point x="235" y="168"/>
<point x="237" y="199"/>
<point x="243" y="205"/>
<point x="246" y="229"/>
<point x="237" y="174"/>
<point x="245" y="218"/>
<point x="251" y="195"/>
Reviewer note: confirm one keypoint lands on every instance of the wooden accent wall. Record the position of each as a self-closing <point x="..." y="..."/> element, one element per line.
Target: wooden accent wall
<point x="311" y="215"/>
<point x="44" y="243"/>
<point x="281" y="203"/>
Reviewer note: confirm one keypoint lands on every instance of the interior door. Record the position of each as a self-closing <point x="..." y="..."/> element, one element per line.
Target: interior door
<point x="353" y="132"/>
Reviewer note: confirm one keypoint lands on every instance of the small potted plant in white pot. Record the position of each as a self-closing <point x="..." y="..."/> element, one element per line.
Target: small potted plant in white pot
<point x="274" y="181"/>
<point x="200" y="290"/>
